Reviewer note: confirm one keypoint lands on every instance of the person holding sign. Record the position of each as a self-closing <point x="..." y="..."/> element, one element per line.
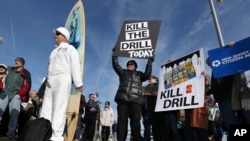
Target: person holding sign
<point x="129" y="97"/>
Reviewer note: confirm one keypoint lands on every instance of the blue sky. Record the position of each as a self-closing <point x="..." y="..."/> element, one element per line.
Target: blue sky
<point x="26" y="28"/>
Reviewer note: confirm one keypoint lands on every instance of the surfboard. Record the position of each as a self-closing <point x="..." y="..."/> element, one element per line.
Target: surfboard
<point x="75" y="23"/>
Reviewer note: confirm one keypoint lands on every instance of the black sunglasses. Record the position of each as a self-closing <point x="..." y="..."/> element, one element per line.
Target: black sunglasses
<point x="58" y="33"/>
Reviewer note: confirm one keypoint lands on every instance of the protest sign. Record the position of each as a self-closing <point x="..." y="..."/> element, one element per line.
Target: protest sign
<point x="181" y="84"/>
<point x="230" y="60"/>
<point x="137" y="39"/>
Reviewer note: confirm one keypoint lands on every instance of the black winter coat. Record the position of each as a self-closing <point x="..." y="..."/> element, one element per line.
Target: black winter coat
<point x="130" y="82"/>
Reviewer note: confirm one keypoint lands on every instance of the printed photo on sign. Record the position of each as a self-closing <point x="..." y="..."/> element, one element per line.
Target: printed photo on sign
<point x="230" y="60"/>
<point x="137" y="39"/>
<point x="181" y="84"/>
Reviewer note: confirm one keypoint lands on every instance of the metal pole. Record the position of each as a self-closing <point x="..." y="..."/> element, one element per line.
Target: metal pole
<point x="1" y="40"/>
<point x="216" y="23"/>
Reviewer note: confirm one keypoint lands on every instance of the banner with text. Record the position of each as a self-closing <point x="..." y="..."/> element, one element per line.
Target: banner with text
<point x="230" y="60"/>
<point x="137" y="39"/>
<point x="181" y="84"/>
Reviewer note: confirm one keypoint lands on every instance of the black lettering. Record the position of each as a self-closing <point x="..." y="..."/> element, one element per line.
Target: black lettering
<point x="167" y="103"/>
<point x="129" y="27"/>
<point x="125" y="46"/>
<point x="145" y="33"/>
<point x="185" y="102"/>
<point x="143" y="26"/>
<point x="192" y="101"/>
<point x="181" y="101"/>
<point x="163" y="94"/>
<point x="170" y="92"/>
<point x="177" y="93"/>
<point x="175" y="102"/>
<point x="130" y="35"/>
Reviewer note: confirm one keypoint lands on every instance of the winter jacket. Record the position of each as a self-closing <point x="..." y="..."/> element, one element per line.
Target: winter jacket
<point x="130" y="82"/>
<point x="18" y="83"/>
<point x="150" y="101"/>
<point x="106" y="117"/>
<point x="2" y="83"/>
<point x="221" y="88"/>
<point x="92" y="111"/>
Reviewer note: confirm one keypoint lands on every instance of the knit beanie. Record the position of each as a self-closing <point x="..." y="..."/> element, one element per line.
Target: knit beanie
<point x="132" y="61"/>
<point x="21" y="60"/>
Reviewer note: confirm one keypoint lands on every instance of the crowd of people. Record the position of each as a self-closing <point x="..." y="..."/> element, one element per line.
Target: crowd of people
<point x="228" y="96"/>
<point x="18" y="103"/>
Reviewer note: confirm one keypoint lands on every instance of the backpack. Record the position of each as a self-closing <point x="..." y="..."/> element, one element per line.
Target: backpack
<point x="36" y="130"/>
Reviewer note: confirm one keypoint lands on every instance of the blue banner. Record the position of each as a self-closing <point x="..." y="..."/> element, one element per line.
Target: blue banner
<point x="230" y="60"/>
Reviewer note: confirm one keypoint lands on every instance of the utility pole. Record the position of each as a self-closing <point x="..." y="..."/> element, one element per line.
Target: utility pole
<point x="1" y="40"/>
<point x="216" y="22"/>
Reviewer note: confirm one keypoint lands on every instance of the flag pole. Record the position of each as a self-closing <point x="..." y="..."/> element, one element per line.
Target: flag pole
<point x="216" y="23"/>
<point x="1" y="40"/>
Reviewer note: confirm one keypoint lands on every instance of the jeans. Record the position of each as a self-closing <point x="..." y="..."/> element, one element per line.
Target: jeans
<point x="14" y="110"/>
<point x="217" y="131"/>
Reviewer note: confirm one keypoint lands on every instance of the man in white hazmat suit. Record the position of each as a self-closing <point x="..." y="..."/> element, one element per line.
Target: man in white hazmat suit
<point x="64" y="67"/>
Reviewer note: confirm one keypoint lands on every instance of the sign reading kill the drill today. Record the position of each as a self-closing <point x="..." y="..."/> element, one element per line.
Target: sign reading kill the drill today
<point x="137" y="39"/>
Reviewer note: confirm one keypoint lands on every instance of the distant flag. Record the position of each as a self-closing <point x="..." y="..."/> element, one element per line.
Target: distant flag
<point x="220" y="1"/>
<point x="1" y="40"/>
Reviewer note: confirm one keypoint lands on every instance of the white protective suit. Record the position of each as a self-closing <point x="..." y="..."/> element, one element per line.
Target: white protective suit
<point x="64" y="66"/>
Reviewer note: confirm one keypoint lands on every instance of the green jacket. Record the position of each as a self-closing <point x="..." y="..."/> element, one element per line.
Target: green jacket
<point x="13" y="83"/>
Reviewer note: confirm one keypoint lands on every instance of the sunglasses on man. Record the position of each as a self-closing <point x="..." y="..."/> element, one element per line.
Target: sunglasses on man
<point x="58" y="33"/>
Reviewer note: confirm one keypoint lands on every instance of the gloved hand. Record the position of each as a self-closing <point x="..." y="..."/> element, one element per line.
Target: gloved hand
<point x="114" y="49"/>
<point x="151" y="59"/>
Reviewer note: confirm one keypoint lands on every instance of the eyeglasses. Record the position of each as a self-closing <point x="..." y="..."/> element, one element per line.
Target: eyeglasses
<point x="58" y="33"/>
<point x="130" y="64"/>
